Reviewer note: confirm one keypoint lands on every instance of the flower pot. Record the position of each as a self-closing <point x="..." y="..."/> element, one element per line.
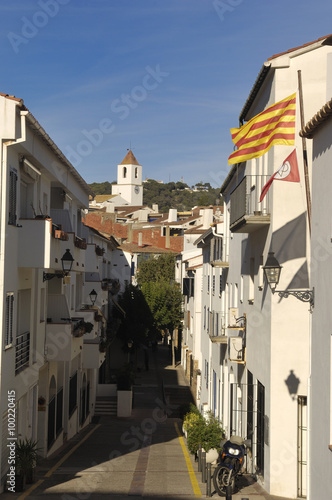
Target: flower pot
<point x="125" y="401"/>
<point x="19" y="482"/>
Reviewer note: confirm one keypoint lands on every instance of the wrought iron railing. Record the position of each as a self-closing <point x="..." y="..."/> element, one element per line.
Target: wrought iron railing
<point x="245" y="198"/>
<point x="22" y="352"/>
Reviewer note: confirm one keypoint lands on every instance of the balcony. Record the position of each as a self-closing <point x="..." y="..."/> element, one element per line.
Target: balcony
<point x="247" y="213"/>
<point x="92" y="357"/>
<point x="217" y="330"/>
<point x="34" y="243"/>
<point x="22" y="352"/>
<point x="61" y="345"/>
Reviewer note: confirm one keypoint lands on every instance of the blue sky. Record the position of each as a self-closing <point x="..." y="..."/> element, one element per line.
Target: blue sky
<point x="167" y="78"/>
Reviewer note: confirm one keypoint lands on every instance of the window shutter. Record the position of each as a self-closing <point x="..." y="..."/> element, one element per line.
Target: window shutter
<point x="192" y="287"/>
<point x="186" y="285"/>
<point x="12" y="197"/>
<point x="9" y="319"/>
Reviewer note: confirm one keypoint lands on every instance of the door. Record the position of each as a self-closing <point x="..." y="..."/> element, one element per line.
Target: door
<point x="302" y="446"/>
<point x="260" y="427"/>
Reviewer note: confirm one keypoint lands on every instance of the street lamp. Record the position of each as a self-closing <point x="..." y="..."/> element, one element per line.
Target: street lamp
<point x="272" y="270"/>
<point x="93" y="296"/>
<point x="67" y="261"/>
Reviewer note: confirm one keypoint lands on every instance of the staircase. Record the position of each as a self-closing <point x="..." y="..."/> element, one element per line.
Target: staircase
<point x="106" y="406"/>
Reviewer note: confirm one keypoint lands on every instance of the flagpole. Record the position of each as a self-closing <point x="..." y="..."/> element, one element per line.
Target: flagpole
<point x="305" y="155"/>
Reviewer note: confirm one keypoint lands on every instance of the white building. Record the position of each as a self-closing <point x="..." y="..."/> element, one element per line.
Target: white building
<point x="51" y="332"/>
<point x="129" y="181"/>
<point x="213" y="331"/>
<point x="267" y="394"/>
<point x="319" y="128"/>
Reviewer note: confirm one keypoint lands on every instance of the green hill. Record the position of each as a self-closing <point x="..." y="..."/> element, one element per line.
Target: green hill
<point x="170" y="195"/>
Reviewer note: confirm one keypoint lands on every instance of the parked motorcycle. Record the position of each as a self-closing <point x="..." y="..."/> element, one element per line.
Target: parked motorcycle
<point x="230" y="463"/>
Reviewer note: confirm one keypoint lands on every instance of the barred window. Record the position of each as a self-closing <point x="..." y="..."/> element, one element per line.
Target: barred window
<point x="9" y="318"/>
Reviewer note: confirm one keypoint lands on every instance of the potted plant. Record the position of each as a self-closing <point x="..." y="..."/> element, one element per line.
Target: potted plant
<point x="82" y="327"/>
<point x="206" y="432"/>
<point x="26" y="459"/>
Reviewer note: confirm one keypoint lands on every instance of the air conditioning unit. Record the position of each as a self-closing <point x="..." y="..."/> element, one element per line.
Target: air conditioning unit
<point x="233" y="315"/>
<point x="236" y="350"/>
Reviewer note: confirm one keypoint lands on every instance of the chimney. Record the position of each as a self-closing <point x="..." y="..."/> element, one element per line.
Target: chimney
<point x="207" y="217"/>
<point x="142" y="215"/>
<point x="155" y="208"/>
<point x="130" y="232"/>
<point x="172" y="215"/>
<point x="168" y="237"/>
<point x="140" y="239"/>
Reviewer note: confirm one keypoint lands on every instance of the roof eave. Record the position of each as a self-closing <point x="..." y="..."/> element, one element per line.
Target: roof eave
<point x="254" y="91"/>
<point x="43" y="134"/>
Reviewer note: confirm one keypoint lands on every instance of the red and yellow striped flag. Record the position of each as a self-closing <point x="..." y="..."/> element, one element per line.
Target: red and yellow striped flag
<point x="275" y="125"/>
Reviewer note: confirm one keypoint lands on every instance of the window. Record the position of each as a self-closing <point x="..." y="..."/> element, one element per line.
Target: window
<point x="204" y="317"/>
<point x="9" y="319"/>
<point x="12" y="197"/>
<point x="220" y="284"/>
<point x="136" y="172"/>
<point x="124" y="172"/>
<point x="42" y="304"/>
<point x="217" y="249"/>
<point x="213" y="284"/>
<point x="251" y="279"/>
<point x="208" y="284"/>
<point x="72" y="394"/>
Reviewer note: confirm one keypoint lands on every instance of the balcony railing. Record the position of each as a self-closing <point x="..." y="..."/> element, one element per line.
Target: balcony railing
<point x="217" y="330"/>
<point x="247" y="213"/>
<point x="22" y="352"/>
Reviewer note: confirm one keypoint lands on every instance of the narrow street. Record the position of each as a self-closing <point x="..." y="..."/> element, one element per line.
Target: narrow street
<point x="143" y="456"/>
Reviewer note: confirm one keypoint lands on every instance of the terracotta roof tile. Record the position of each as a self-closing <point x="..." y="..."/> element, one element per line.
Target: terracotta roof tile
<point x="134" y="248"/>
<point x="320" y="117"/>
<point x="299" y="47"/>
<point x="129" y="159"/>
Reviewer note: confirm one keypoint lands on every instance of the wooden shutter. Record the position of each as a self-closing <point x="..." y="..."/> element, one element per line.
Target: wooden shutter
<point x="12" y="197"/>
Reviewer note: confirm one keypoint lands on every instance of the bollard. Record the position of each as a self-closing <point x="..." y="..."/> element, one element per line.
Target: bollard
<point x="203" y="467"/>
<point x="199" y="458"/>
<point x="208" y="480"/>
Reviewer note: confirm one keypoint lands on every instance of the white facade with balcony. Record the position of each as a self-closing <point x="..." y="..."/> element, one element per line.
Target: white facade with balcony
<point x="268" y="393"/>
<point x="51" y="333"/>
<point x="319" y="129"/>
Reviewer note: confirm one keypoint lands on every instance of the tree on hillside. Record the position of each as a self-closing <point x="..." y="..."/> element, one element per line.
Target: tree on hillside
<point x="102" y="187"/>
<point x="168" y="195"/>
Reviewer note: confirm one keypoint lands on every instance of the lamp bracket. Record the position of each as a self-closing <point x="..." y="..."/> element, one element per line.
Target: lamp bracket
<point x="49" y="276"/>
<point x="303" y="295"/>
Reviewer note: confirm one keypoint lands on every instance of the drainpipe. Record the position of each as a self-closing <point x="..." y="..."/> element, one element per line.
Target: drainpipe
<point x="3" y="222"/>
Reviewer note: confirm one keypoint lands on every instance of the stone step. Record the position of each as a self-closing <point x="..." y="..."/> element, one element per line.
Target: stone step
<point x="106" y="406"/>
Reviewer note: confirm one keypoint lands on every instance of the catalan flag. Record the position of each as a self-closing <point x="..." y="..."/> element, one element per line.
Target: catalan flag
<point x="274" y="125"/>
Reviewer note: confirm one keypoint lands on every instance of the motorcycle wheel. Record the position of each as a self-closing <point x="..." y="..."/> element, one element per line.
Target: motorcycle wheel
<point x="219" y="482"/>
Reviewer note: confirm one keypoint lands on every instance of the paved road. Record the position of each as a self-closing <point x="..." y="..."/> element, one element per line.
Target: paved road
<point x="143" y="456"/>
